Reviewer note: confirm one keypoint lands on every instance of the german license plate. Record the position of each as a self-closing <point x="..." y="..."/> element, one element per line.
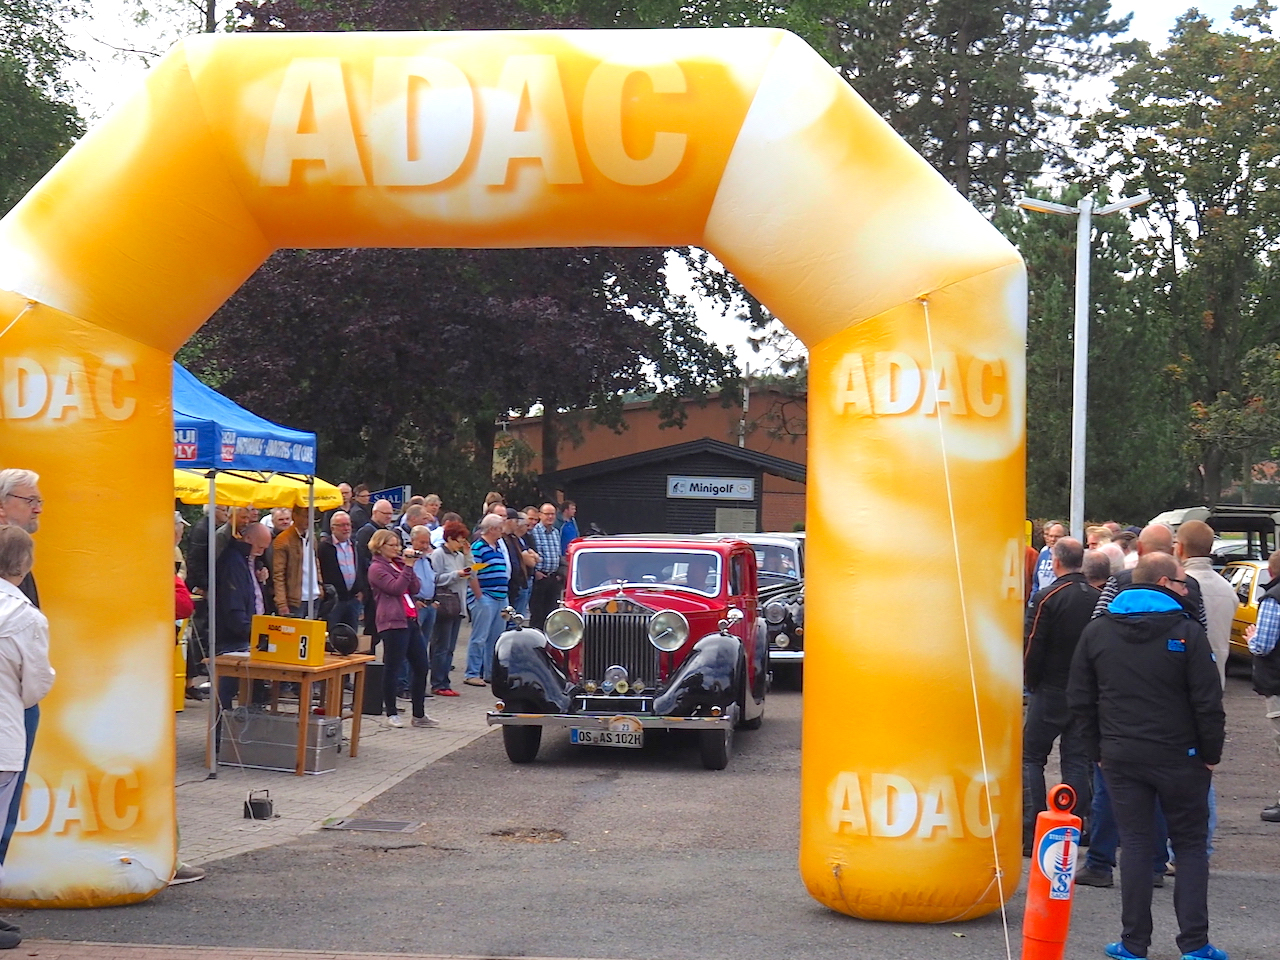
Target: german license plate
<point x="607" y="738"/>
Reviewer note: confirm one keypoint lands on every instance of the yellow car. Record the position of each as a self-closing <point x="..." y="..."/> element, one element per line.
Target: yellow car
<point x="1247" y="578"/>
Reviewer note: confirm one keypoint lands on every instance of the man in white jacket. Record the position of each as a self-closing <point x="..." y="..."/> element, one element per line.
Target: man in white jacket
<point x="25" y="673"/>
<point x="1193" y="546"/>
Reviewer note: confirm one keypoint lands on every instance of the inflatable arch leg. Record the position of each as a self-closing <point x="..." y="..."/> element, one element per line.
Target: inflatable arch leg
<point x="743" y="141"/>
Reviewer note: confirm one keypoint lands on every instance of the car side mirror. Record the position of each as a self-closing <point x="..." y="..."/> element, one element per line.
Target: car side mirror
<point x="731" y="619"/>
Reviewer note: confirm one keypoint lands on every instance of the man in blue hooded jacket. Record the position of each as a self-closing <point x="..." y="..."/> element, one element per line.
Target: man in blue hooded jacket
<point x="1145" y="691"/>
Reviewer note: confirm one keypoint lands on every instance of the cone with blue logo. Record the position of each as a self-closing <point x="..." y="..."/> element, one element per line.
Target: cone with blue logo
<point x="1053" y="870"/>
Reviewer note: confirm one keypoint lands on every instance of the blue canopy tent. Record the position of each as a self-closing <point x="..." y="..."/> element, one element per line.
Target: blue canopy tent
<point x="212" y="433"/>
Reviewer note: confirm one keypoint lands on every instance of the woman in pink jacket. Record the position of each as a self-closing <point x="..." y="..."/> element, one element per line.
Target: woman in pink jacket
<point x="394" y="585"/>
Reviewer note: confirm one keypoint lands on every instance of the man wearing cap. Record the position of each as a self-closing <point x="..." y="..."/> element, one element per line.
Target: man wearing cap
<point x="1124" y="539"/>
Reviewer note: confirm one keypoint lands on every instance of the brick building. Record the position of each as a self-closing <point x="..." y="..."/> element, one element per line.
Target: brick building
<point x="605" y="467"/>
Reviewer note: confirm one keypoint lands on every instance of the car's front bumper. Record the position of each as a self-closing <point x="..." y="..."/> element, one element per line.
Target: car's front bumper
<point x="599" y="721"/>
<point x="786" y="656"/>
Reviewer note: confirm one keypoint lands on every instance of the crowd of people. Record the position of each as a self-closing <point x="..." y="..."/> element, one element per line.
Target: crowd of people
<point x="1126" y="642"/>
<point x="403" y="582"/>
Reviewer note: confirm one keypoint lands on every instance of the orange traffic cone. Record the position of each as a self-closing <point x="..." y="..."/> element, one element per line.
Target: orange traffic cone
<point x="1053" y="870"/>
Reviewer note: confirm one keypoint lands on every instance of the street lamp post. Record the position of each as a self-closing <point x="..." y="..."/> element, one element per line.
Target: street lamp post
<point x="1084" y="213"/>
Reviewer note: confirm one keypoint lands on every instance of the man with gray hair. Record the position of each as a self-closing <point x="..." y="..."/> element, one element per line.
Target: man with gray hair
<point x="1097" y="568"/>
<point x="490" y="582"/>
<point x="21" y="506"/>
<point x="1053" y="531"/>
<point x="415" y="515"/>
<point x="433" y="504"/>
<point x="1056" y="616"/>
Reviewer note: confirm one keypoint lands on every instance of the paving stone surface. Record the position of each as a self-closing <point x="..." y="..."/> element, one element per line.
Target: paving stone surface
<point x="211" y="819"/>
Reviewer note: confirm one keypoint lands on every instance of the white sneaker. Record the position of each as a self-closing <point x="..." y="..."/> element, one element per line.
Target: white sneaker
<point x="395" y="721"/>
<point x="425" y="722"/>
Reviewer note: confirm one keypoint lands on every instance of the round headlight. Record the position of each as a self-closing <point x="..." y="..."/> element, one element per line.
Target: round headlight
<point x="668" y="630"/>
<point x="564" y="629"/>
<point x="775" y="611"/>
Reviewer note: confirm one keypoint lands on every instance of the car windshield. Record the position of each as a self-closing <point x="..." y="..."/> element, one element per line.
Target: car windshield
<point x="687" y="569"/>
<point x="773" y="560"/>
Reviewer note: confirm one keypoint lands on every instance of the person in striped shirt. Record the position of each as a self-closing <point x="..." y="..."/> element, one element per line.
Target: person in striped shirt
<point x="490" y="581"/>
<point x="1262" y="638"/>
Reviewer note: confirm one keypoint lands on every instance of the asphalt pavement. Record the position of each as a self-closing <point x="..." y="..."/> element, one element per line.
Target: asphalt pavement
<point x="637" y="855"/>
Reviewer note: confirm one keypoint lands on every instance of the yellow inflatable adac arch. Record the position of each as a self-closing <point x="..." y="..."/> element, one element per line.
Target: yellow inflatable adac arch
<point x="742" y="141"/>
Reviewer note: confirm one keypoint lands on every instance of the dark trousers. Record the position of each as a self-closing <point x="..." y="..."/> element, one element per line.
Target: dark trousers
<point x="444" y="641"/>
<point x="31" y="720"/>
<point x="345" y="611"/>
<point x="544" y="598"/>
<point x="396" y="648"/>
<point x="1183" y="792"/>
<point x="1105" y="834"/>
<point x="1048" y="719"/>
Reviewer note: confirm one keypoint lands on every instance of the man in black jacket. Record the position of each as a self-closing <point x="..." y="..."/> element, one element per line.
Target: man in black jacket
<point x="1145" y="691"/>
<point x="1055" y="618"/>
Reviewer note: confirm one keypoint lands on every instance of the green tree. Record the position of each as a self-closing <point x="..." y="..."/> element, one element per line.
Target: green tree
<point x="37" y="121"/>
<point x="976" y="88"/>
<point x="1194" y="124"/>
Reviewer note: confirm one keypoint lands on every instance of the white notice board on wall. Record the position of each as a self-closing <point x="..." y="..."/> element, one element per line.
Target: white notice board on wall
<point x="711" y="488"/>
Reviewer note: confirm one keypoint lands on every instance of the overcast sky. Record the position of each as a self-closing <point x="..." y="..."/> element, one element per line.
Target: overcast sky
<point x="106" y="76"/>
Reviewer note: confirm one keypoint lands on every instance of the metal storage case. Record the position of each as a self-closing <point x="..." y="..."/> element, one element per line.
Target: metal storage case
<point x="252" y="737"/>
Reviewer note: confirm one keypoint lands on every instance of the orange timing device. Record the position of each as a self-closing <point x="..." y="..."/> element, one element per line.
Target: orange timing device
<point x="1053" y="870"/>
<point x="287" y="640"/>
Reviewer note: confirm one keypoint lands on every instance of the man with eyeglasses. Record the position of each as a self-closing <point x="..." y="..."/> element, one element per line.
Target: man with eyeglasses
<point x="1054" y="531"/>
<point x="1144" y="690"/>
<point x="548" y="574"/>
<point x="21" y="506"/>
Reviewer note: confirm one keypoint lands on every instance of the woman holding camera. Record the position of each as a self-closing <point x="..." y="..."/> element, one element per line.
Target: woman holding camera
<point x="394" y="585"/>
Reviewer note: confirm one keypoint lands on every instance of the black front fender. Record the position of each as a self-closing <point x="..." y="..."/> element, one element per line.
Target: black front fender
<point x="708" y="678"/>
<point x="525" y="676"/>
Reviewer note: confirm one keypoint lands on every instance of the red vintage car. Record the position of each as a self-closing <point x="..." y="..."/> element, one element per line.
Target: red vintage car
<point x="653" y="633"/>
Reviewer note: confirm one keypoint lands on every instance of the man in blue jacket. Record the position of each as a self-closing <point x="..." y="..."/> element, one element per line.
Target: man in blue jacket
<point x="1145" y="691"/>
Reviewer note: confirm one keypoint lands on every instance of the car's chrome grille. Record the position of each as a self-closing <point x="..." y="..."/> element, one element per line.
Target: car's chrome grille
<point x="615" y="704"/>
<point x="622" y="639"/>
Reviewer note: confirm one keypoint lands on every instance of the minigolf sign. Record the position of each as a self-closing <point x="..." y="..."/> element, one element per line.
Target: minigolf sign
<point x="742" y="141"/>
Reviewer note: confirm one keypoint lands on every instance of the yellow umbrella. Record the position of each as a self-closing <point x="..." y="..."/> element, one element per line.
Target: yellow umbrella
<point x="262" y="490"/>
<point x="293" y="491"/>
<point x="230" y="489"/>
